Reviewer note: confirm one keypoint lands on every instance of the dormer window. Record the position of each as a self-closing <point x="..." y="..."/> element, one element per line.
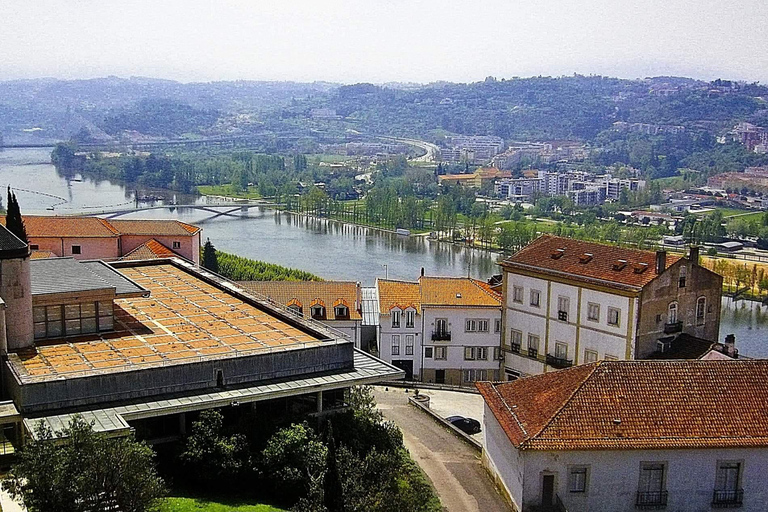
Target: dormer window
<point x="296" y="310"/>
<point x="341" y="311"/>
<point x="396" y="318"/>
<point x="619" y="265"/>
<point x="318" y="312"/>
<point x="640" y="268"/>
<point x="557" y="254"/>
<point x="585" y="258"/>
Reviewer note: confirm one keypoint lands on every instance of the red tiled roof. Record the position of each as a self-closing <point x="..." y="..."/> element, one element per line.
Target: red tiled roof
<point x="614" y="405"/>
<point x="154" y="227"/>
<point x="436" y="291"/>
<point x="94" y="227"/>
<point x="308" y="293"/>
<point x="151" y="249"/>
<point x="566" y="256"/>
<point x="400" y="294"/>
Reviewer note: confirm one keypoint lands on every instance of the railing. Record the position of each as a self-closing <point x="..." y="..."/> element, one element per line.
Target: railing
<point x="533" y="352"/>
<point x="559" y="362"/>
<point x="441" y="335"/>
<point x="514" y="347"/>
<point x="673" y="327"/>
<point x="728" y="499"/>
<point x="651" y="500"/>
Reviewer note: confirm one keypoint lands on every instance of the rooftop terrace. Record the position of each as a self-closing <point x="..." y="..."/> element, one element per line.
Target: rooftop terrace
<point x="186" y="319"/>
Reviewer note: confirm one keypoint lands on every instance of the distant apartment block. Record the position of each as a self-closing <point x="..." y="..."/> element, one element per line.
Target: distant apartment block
<point x="568" y="302"/>
<point x="582" y="188"/>
<point x="445" y="330"/>
<point x="477" y="179"/>
<point x="87" y="238"/>
<point x="753" y="137"/>
<point x="647" y="129"/>
<point x="471" y="149"/>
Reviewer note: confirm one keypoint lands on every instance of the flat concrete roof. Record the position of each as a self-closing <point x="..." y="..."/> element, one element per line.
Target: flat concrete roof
<point x="114" y="420"/>
<point x="187" y="318"/>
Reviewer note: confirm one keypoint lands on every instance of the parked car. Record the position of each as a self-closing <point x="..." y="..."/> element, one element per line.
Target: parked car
<point x="466" y="425"/>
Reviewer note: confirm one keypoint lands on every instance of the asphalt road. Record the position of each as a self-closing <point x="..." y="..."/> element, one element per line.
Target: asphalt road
<point x="453" y="467"/>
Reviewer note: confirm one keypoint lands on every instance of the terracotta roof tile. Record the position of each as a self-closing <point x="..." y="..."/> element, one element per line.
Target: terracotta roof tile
<point x="636" y="405"/>
<point x="154" y="227"/>
<point x="307" y="293"/>
<point x="436" y="291"/>
<point x="94" y="227"/>
<point x="151" y="249"/>
<point x="400" y="294"/>
<point x="588" y="261"/>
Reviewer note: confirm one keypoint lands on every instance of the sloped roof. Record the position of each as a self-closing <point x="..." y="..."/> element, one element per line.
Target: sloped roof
<point x="154" y="227"/>
<point x="149" y="250"/>
<point x="10" y="245"/>
<point x="400" y="294"/>
<point x="436" y="291"/>
<point x="94" y="227"/>
<point x="613" y="405"/>
<point x="566" y="256"/>
<point x="306" y="293"/>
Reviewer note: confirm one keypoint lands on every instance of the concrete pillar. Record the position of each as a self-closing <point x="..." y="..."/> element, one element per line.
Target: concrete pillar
<point x="319" y="401"/>
<point x="3" y="338"/>
<point x="16" y="291"/>
<point x="183" y="424"/>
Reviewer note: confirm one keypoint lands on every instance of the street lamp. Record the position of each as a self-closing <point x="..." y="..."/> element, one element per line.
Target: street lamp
<point x="386" y="271"/>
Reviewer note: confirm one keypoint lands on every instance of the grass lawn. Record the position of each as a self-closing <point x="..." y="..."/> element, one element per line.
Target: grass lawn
<point x="204" y="505"/>
<point x="226" y="190"/>
<point x="729" y="212"/>
<point x="745" y="215"/>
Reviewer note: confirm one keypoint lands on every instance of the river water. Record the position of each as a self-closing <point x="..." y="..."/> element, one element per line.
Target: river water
<point x="329" y="249"/>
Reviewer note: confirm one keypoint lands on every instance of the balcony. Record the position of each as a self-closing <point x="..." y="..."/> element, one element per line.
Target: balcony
<point x="514" y="347"/>
<point x="533" y="352"/>
<point x="673" y="328"/>
<point x="651" y="500"/>
<point x="559" y="362"/>
<point x="728" y="499"/>
<point x="441" y="336"/>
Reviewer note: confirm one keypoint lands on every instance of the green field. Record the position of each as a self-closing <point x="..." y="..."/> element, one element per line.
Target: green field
<point x="745" y="215"/>
<point x="228" y="191"/>
<point x="204" y="505"/>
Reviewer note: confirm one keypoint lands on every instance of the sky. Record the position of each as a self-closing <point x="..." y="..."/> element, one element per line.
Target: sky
<point x="382" y="41"/>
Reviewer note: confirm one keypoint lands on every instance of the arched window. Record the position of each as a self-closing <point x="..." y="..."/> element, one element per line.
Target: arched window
<point x="672" y="313"/>
<point x="701" y="310"/>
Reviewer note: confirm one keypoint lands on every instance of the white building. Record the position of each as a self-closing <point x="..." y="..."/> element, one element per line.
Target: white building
<point x="631" y="435"/>
<point x="445" y="330"/>
<point x="568" y="302"/>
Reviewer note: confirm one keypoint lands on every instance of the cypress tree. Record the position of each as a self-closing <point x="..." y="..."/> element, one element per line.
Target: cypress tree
<point x="210" y="261"/>
<point x="13" y="220"/>
<point x="332" y="489"/>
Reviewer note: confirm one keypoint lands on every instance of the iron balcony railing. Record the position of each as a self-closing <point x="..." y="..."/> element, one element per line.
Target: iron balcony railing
<point x="728" y="499"/>
<point x="673" y="327"/>
<point x="651" y="500"/>
<point x="559" y="362"/>
<point x="514" y="347"/>
<point x="441" y="335"/>
<point x="533" y="352"/>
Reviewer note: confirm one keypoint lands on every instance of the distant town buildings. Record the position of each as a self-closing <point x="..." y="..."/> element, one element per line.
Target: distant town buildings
<point x="535" y="153"/>
<point x="647" y="129"/>
<point x="581" y="187"/>
<point x="568" y="302"/>
<point x="87" y="238"/>
<point x="481" y="177"/>
<point x="631" y="435"/>
<point x="471" y="149"/>
<point x="445" y="330"/>
<point x="753" y="137"/>
<point x="753" y="178"/>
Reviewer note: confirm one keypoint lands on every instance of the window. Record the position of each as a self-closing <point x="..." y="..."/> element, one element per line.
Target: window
<point x="609" y="357"/>
<point x="613" y="316"/>
<point x="76" y="249"/>
<point x="317" y="312"/>
<point x="177" y="245"/>
<point x="593" y="312"/>
<point x="72" y="319"/>
<point x="515" y="340"/>
<point x="658" y="318"/>
<point x="651" y="481"/>
<point x="561" y="350"/>
<point x="535" y="298"/>
<point x="409" y="344"/>
<point x="590" y="356"/>
<point x="441" y="325"/>
<point x="34" y="247"/>
<point x="469" y="375"/>
<point x="727" y="479"/>
<point x="496" y="354"/>
<point x="577" y="479"/>
<point x="396" y="318"/>
<point x="482" y="325"/>
<point x="482" y="353"/>
<point x="395" y="344"/>
<point x="517" y="294"/>
<point x="293" y="308"/>
<point x="469" y="353"/>
<point x="497" y="325"/>
<point x="470" y="325"/>
<point x="533" y="345"/>
<point x="441" y="352"/>
<point x="410" y="316"/>
<point x="672" y="313"/>
<point x="701" y="310"/>
<point x="428" y="352"/>
<point x="681" y="282"/>
<point x="563" y="306"/>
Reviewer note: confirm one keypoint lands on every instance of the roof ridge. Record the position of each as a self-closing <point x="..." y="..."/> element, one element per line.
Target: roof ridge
<point x="481" y="285"/>
<point x="514" y="415"/>
<point x="567" y="401"/>
<point x="109" y="225"/>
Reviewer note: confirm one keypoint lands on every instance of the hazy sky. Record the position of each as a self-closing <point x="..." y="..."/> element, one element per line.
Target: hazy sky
<point x="382" y="40"/>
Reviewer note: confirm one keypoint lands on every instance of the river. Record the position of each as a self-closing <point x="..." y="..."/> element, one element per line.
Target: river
<point x="330" y="249"/>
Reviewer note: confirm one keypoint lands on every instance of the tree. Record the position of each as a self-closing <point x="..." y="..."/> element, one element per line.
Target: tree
<point x="13" y="220"/>
<point x="84" y="471"/>
<point x="295" y="458"/>
<point x="210" y="260"/>
<point x="211" y="455"/>
<point x="333" y="493"/>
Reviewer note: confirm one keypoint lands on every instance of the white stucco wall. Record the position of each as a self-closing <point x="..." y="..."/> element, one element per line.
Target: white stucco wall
<point x="385" y="340"/>
<point x="502" y="460"/>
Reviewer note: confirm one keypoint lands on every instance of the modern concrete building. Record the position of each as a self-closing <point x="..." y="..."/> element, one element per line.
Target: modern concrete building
<point x="86" y="238"/>
<point x="631" y="435"/>
<point x="568" y="302"/>
<point x="146" y="345"/>
<point x="444" y="330"/>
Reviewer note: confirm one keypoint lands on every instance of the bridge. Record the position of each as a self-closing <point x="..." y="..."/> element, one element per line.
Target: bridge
<point x="222" y="209"/>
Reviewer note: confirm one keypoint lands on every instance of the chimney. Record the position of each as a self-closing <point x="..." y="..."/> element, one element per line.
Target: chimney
<point x="694" y="254"/>
<point x="661" y="261"/>
<point x="730" y="346"/>
<point x="422" y="271"/>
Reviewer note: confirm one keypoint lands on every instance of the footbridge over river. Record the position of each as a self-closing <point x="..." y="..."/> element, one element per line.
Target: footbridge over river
<point x="216" y="209"/>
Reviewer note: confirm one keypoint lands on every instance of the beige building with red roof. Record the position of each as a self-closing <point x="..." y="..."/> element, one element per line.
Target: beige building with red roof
<point x="568" y="302"/>
<point x="631" y="435"/>
<point x="444" y="330"/>
<point x="86" y="238"/>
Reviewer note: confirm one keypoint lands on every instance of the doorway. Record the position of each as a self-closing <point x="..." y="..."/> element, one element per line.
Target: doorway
<point x="439" y="376"/>
<point x="547" y="490"/>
